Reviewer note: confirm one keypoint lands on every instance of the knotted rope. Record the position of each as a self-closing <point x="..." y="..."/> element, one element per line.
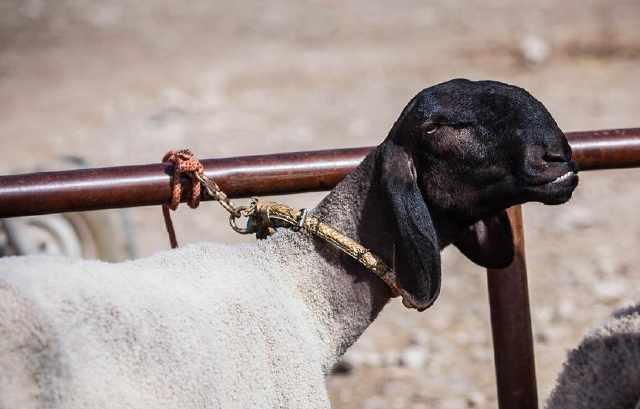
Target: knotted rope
<point x="263" y="217"/>
<point x="186" y="164"/>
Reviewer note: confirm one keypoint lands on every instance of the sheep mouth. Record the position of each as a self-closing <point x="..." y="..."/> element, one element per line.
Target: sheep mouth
<point x="563" y="177"/>
<point x="555" y="191"/>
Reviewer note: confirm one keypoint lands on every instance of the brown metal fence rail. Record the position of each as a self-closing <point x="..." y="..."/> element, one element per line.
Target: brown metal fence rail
<point x="128" y="186"/>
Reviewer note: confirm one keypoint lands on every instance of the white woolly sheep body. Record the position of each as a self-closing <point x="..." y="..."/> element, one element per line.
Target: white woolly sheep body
<point x="203" y="326"/>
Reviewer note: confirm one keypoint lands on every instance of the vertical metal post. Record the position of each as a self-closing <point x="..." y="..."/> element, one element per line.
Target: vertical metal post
<point x="511" y="327"/>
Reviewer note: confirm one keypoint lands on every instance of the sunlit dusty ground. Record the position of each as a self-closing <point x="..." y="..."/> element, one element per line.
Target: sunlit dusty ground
<point x="122" y="82"/>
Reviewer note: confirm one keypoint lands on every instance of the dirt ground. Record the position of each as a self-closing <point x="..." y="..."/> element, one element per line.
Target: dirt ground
<point x="121" y="82"/>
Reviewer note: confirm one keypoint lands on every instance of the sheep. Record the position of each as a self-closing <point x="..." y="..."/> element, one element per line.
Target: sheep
<point x="260" y="325"/>
<point x="604" y="370"/>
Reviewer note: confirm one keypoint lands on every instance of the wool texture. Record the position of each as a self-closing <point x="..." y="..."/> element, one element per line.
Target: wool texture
<point x="604" y="370"/>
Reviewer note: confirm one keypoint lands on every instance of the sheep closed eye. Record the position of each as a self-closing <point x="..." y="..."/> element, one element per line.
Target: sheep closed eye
<point x="430" y="128"/>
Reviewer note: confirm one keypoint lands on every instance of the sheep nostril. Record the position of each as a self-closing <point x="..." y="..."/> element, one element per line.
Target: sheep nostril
<point x="554" y="157"/>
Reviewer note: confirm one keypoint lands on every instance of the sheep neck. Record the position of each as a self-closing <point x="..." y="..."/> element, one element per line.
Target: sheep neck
<point x="343" y="296"/>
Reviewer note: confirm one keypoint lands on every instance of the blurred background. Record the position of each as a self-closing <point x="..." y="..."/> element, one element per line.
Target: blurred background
<point x="121" y="82"/>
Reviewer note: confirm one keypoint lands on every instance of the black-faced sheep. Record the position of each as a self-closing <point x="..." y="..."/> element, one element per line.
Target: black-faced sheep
<point x="259" y="326"/>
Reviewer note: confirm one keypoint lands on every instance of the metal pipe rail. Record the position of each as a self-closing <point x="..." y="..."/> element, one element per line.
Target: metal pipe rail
<point x="127" y="186"/>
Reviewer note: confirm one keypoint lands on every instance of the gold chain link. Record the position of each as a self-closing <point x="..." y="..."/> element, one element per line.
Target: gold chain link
<point x="235" y="212"/>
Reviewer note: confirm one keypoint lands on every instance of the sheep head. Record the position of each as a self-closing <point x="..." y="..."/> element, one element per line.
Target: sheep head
<point x="463" y="152"/>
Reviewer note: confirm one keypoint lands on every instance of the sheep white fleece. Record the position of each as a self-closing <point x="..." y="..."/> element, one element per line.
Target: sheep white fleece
<point x="205" y="326"/>
<point x="202" y="326"/>
<point x="604" y="371"/>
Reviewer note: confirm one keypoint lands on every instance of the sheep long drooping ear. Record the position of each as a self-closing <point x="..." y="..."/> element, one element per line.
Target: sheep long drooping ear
<point x="418" y="251"/>
<point x="488" y="242"/>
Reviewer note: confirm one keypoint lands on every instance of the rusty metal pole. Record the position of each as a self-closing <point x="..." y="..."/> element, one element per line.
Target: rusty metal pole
<point x="606" y="149"/>
<point x="511" y="326"/>
<point x="145" y="185"/>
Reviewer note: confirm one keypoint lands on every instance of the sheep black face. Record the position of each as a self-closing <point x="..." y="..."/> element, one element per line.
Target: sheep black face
<point x="462" y="152"/>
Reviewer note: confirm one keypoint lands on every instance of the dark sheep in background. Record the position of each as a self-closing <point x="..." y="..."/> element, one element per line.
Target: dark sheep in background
<point x="604" y="370"/>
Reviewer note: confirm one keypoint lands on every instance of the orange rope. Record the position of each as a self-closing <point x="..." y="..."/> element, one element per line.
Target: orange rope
<point x="184" y="163"/>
